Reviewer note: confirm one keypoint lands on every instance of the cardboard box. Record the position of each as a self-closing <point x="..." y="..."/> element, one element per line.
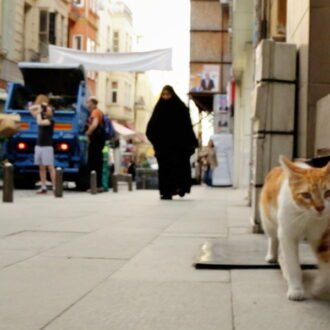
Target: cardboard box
<point x="276" y="61"/>
<point x="9" y="124"/>
<point x="266" y="152"/>
<point x="274" y="107"/>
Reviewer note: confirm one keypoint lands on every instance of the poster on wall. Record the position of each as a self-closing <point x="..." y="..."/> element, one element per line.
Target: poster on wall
<point x="204" y="78"/>
<point x="221" y="114"/>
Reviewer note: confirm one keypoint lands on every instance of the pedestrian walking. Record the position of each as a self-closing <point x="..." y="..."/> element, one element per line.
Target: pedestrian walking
<point x="171" y="133"/>
<point x="44" y="150"/>
<point x="209" y="160"/>
<point x="96" y="139"/>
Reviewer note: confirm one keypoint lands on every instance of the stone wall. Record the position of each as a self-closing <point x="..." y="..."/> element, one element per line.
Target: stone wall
<point x="308" y="23"/>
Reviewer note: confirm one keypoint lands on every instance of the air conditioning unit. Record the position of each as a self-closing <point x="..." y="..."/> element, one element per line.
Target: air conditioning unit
<point x="225" y="2"/>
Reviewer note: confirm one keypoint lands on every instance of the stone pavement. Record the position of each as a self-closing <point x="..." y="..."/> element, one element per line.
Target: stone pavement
<point x="124" y="261"/>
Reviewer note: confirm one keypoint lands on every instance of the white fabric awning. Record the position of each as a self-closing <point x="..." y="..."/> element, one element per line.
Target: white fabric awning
<point x="160" y="59"/>
<point x="122" y="130"/>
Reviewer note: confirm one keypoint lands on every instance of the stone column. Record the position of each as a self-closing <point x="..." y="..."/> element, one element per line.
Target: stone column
<point x="308" y="26"/>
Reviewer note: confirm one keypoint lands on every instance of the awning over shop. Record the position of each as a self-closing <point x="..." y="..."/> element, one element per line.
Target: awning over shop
<point x="160" y="59"/>
<point x="139" y="135"/>
<point x="122" y="130"/>
<point x="203" y="101"/>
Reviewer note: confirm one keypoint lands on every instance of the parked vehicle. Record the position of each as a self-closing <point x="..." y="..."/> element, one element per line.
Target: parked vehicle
<point x="66" y="88"/>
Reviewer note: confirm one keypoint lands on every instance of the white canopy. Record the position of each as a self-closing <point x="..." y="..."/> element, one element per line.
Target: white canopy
<point x="122" y="130"/>
<point x="160" y="59"/>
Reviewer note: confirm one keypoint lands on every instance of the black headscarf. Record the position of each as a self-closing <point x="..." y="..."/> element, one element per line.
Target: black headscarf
<point x="170" y="127"/>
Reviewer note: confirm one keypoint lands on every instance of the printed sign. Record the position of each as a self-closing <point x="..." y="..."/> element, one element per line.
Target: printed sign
<point x="221" y="114"/>
<point x="204" y="78"/>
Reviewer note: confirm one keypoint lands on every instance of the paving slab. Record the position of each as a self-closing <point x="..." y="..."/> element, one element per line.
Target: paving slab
<point x="107" y="243"/>
<point x="10" y="257"/>
<point x="259" y="303"/>
<point x="201" y="223"/>
<point x="35" y="291"/>
<point x="124" y="261"/>
<point x="36" y="241"/>
<point x="87" y="224"/>
<point x="8" y="229"/>
<point x="157" y="305"/>
<point x="169" y="259"/>
<point x="239" y="216"/>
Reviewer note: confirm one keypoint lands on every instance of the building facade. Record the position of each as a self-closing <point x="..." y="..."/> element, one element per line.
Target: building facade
<point x="125" y="96"/>
<point x="104" y="45"/>
<point x="243" y="55"/>
<point x="27" y="27"/>
<point x="308" y="23"/>
<point x="210" y="54"/>
<point x="83" y="31"/>
<point x="303" y="24"/>
<point x="121" y="86"/>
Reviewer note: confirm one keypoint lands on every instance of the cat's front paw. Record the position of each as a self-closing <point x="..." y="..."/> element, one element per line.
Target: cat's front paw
<point x="296" y="294"/>
<point x="271" y="259"/>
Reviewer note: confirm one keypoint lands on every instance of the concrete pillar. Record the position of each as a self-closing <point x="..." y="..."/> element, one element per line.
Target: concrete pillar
<point x="308" y="23"/>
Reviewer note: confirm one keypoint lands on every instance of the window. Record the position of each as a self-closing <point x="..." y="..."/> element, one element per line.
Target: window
<point x="127" y="43"/>
<point x="115" y="42"/>
<point x="114" y="92"/>
<point x="108" y="39"/>
<point x="78" y="3"/>
<point x="108" y="92"/>
<point x="78" y="42"/>
<point x="64" y="38"/>
<point x="128" y="89"/>
<point x="91" y="45"/>
<point x="43" y="32"/>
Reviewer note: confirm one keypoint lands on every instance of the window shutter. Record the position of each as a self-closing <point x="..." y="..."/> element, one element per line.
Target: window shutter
<point x="52" y="28"/>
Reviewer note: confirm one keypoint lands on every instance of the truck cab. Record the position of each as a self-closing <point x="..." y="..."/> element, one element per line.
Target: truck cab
<point x="66" y="88"/>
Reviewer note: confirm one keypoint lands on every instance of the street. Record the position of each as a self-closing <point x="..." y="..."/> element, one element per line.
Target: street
<point x="124" y="261"/>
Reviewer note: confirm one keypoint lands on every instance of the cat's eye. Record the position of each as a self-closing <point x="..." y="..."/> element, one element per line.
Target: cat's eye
<point x="327" y="194"/>
<point x="306" y="195"/>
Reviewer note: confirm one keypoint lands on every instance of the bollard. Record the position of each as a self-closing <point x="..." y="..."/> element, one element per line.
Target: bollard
<point x="130" y="182"/>
<point x="58" y="192"/>
<point x="93" y="183"/>
<point x="144" y="181"/>
<point x="115" y="183"/>
<point x="8" y="183"/>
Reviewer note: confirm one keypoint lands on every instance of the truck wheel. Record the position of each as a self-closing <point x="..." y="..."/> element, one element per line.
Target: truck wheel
<point x="82" y="181"/>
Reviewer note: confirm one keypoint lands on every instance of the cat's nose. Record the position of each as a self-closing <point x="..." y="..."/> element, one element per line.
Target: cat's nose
<point x="319" y="208"/>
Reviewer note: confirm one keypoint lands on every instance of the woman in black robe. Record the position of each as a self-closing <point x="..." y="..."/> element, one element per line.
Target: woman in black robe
<point x="171" y="133"/>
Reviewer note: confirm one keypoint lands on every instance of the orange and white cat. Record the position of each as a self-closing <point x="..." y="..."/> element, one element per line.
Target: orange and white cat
<point x="295" y="205"/>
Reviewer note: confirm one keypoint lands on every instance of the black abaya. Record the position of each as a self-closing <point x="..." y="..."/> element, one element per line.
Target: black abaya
<point x="171" y="133"/>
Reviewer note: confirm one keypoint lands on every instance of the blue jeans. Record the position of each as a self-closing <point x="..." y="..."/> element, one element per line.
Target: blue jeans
<point x="207" y="178"/>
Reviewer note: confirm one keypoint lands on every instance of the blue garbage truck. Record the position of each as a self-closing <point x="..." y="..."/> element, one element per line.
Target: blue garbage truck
<point x="66" y="87"/>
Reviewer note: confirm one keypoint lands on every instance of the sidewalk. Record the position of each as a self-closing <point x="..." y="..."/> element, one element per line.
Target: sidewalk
<point x="124" y="261"/>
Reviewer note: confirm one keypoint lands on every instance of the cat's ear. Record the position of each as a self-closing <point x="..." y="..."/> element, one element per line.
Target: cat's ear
<point x="289" y="166"/>
<point x="327" y="168"/>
